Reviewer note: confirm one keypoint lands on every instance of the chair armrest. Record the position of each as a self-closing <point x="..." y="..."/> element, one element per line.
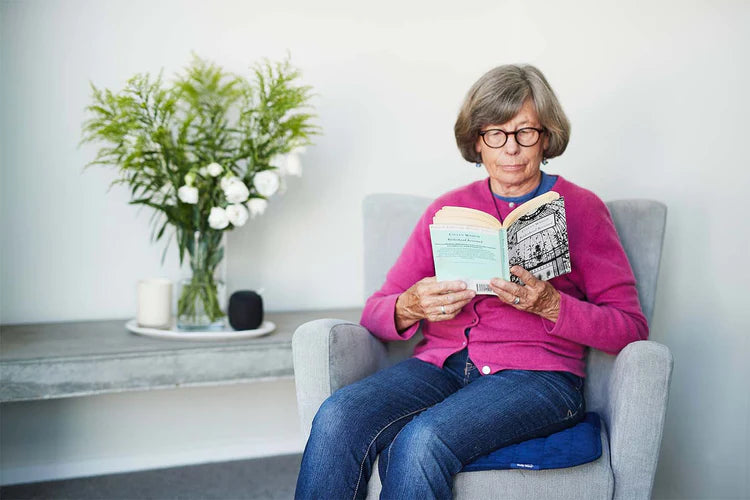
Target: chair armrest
<point x="329" y="354"/>
<point x="635" y="388"/>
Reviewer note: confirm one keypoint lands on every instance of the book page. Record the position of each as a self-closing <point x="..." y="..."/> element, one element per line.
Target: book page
<point x="538" y="242"/>
<point x="465" y="216"/>
<point x="470" y="254"/>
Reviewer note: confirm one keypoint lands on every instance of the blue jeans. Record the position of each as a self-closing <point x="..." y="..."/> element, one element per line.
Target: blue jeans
<point x="427" y="423"/>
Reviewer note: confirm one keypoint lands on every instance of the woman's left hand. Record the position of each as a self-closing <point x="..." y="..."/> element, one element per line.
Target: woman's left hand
<point x="536" y="296"/>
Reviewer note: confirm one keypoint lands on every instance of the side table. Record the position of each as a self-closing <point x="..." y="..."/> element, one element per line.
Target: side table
<point x="58" y="360"/>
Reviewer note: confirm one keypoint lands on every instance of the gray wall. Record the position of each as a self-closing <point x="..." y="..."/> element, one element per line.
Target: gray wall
<point x="656" y="93"/>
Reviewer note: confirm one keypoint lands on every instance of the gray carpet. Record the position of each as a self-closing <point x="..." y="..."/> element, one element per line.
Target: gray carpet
<point x="271" y="478"/>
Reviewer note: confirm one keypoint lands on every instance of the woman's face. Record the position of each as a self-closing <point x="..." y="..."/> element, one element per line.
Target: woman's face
<point x="514" y="169"/>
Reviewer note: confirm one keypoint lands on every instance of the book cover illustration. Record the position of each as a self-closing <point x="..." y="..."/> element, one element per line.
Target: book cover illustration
<point x="538" y="241"/>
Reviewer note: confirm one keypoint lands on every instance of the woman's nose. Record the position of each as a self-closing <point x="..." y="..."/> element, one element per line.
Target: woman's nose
<point x="511" y="146"/>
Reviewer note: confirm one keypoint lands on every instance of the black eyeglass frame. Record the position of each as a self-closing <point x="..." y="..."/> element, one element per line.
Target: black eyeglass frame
<point x="540" y="131"/>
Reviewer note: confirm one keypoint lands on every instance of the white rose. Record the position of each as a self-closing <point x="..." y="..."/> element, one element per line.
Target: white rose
<point x="203" y="172"/>
<point x="218" y="219"/>
<point x="288" y="164"/>
<point x="237" y="214"/>
<point x="188" y="194"/>
<point x="257" y="206"/>
<point x="293" y="165"/>
<point x="266" y="182"/>
<point x="236" y="191"/>
<point x="214" y="169"/>
<point x="224" y="182"/>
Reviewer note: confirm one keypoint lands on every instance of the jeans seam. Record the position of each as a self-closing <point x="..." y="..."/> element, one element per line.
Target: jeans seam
<point x="581" y="401"/>
<point x="362" y="464"/>
<point x="572" y="414"/>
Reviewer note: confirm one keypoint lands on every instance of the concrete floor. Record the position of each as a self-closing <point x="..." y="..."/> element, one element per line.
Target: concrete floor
<point x="271" y="478"/>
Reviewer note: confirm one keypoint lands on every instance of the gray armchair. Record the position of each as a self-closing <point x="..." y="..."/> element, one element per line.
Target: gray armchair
<point x="628" y="391"/>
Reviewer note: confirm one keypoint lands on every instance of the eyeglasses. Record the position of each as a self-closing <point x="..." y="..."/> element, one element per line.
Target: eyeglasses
<point x="526" y="137"/>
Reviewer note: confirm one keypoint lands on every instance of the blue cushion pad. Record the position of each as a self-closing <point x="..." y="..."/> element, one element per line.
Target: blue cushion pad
<point x="570" y="447"/>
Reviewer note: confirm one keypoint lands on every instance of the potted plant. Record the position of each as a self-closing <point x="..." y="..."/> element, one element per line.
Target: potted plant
<point x="205" y="153"/>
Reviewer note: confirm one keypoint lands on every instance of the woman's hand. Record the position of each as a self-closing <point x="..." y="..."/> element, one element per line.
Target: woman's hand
<point x="536" y="296"/>
<point x="431" y="300"/>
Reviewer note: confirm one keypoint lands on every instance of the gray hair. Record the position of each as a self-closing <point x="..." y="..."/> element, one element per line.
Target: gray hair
<point x="498" y="96"/>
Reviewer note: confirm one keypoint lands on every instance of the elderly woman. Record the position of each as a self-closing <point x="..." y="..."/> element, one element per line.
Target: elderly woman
<point x="492" y="370"/>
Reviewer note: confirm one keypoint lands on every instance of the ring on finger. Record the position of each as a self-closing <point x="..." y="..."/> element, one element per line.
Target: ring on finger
<point x="516" y="301"/>
<point x="442" y="309"/>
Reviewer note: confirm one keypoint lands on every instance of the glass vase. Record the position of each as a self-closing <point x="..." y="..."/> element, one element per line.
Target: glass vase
<point x="201" y="303"/>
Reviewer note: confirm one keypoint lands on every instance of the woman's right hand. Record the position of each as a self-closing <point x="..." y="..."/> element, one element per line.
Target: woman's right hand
<point x="432" y="300"/>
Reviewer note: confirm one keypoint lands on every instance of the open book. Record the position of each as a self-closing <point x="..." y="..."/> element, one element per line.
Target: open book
<point x="474" y="246"/>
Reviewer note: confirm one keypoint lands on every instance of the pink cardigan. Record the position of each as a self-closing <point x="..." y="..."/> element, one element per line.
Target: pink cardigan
<point x="599" y="306"/>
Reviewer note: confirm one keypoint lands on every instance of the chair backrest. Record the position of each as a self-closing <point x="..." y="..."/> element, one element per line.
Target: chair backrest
<point x="389" y="219"/>
<point x="640" y="225"/>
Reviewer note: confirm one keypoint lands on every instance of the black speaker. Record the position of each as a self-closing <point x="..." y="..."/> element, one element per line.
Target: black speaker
<point x="245" y="310"/>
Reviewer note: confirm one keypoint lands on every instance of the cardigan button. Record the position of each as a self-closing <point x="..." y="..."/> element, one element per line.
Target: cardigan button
<point x="486" y="370"/>
<point x="511" y="204"/>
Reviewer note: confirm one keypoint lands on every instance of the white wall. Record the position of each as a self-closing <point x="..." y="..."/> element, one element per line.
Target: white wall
<point x="656" y="93"/>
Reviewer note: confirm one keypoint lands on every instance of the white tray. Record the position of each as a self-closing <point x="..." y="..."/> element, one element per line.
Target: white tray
<point x="174" y="334"/>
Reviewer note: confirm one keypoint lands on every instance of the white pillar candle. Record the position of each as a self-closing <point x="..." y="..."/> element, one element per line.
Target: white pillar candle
<point x="154" y="303"/>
